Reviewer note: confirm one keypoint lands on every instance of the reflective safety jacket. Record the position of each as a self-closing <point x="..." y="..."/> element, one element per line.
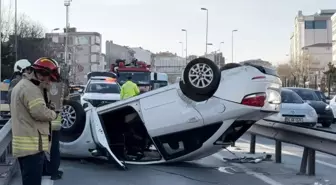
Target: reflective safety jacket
<point x="30" y="118"/>
<point x="129" y="89"/>
<point x="12" y="85"/>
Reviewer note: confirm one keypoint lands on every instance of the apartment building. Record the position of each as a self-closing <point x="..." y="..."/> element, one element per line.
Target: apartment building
<point x="84" y="51"/>
<point x="310" y="43"/>
<point x="333" y="21"/>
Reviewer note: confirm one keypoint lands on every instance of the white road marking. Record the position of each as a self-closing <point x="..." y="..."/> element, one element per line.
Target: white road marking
<point x="47" y="181"/>
<point x="260" y="176"/>
<point x="289" y="153"/>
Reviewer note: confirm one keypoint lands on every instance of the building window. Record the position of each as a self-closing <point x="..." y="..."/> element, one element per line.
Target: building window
<point x="309" y="24"/>
<point x="320" y="24"/>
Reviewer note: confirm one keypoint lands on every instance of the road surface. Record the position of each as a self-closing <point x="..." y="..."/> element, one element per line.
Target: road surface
<point x="210" y="170"/>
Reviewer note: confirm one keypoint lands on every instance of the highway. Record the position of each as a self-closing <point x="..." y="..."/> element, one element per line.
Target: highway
<point x="210" y="170"/>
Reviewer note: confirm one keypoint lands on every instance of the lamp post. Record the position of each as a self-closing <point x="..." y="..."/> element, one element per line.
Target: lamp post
<point x="55" y="29"/>
<point x="220" y="44"/>
<point x="232" y="44"/>
<point x="66" y="4"/>
<point x="181" y="48"/>
<point x="15" y="31"/>
<point x="186" y="44"/>
<point x="206" y="33"/>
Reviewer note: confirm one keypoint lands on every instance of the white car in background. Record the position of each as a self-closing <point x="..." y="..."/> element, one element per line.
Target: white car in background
<point x="332" y="104"/>
<point x="294" y="110"/>
<point x="101" y="90"/>
<point x="202" y="114"/>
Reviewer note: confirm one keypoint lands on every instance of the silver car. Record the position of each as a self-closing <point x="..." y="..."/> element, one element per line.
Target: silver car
<point x="294" y="110"/>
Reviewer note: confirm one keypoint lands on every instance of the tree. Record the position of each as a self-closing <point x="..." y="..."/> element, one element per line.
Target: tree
<point x="31" y="44"/>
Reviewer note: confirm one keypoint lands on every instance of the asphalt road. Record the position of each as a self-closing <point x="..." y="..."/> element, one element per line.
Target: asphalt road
<point x="210" y="170"/>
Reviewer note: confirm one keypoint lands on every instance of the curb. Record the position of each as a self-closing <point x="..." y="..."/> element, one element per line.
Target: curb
<point x="13" y="168"/>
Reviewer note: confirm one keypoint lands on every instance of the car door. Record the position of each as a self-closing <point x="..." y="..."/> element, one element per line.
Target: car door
<point x="100" y="137"/>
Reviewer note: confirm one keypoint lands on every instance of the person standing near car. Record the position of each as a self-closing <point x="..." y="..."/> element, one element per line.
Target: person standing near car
<point x="20" y="67"/>
<point x="129" y="89"/>
<point x="30" y="119"/>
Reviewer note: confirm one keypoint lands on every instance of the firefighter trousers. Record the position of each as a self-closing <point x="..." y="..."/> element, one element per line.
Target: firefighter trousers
<point x="31" y="167"/>
<point x="52" y="166"/>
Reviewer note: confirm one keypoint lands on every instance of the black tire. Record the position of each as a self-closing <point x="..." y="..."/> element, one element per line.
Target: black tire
<point x="80" y="117"/>
<point x="192" y="95"/>
<point x="326" y="124"/>
<point x="190" y="89"/>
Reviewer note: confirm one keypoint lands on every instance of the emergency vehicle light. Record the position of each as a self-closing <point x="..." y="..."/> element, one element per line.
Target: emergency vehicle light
<point x="110" y="80"/>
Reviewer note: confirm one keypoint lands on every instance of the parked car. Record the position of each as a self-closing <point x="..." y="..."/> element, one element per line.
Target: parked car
<point x="294" y="110"/>
<point x="322" y="96"/>
<point x="323" y="110"/>
<point x="206" y="111"/>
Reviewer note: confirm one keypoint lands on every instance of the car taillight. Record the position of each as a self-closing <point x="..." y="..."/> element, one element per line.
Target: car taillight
<point x="258" y="77"/>
<point x="255" y="100"/>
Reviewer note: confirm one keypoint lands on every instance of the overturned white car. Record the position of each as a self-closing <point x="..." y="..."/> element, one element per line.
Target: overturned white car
<point x="206" y="111"/>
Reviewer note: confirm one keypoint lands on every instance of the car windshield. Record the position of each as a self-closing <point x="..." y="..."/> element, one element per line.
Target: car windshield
<point x="137" y="77"/>
<point x="4" y="97"/>
<point x="290" y="97"/>
<point x="103" y="88"/>
<point x="320" y="95"/>
<point x="307" y="94"/>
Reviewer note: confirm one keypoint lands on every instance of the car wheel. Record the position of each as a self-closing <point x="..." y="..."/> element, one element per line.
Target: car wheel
<point x="73" y="117"/>
<point x="201" y="78"/>
<point x="326" y="124"/>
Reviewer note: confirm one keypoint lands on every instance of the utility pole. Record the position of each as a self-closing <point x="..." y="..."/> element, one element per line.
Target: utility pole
<point x="15" y="31"/>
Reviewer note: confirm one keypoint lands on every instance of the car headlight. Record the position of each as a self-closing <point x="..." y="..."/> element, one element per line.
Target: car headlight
<point x="312" y="113"/>
<point x="327" y="107"/>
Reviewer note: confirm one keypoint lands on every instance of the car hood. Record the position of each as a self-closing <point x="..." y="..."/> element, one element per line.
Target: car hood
<point x="317" y="105"/>
<point x="101" y="96"/>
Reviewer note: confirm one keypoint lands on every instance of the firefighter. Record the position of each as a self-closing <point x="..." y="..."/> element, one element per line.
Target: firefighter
<point x="30" y="120"/>
<point x="129" y="89"/>
<point x="51" y="168"/>
<point x="20" y="67"/>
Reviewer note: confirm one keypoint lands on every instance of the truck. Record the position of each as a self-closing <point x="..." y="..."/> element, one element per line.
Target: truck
<point x="138" y="70"/>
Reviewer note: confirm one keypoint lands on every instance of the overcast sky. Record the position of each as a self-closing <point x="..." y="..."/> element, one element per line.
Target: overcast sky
<point x="264" y="26"/>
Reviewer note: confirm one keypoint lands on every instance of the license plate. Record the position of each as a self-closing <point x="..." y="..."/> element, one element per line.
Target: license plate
<point x="293" y="120"/>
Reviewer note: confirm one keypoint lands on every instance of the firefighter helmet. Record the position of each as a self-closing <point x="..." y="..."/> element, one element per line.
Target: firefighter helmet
<point x="48" y="67"/>
<point x="21" y="65"/>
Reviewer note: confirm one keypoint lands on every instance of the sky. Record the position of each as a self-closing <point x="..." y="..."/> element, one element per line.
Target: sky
<point x="264" y="26"/>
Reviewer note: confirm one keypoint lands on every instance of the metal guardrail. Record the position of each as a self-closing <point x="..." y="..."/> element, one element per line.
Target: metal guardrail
<point x="8" y="165"/>
<point x="311" y="139"/>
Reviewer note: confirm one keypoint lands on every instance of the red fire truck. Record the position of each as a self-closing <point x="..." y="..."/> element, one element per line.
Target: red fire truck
<point x="139" y="71"/>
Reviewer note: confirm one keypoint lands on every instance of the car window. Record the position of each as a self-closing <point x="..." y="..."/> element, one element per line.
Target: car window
<point x="320" y="95"/>
<point x="307" y="94"/>
<point x="290" y="97"/>
<point x="103" y="88"/>
<point x="4" y="97"/>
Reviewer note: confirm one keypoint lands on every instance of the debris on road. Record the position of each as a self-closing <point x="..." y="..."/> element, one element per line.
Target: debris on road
<point x="267" y="157"/>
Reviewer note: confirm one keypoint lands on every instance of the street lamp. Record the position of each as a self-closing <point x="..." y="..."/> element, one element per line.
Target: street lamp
<point x="220" y="44"/>
<point x="232" y="44"/>
<point x="66" y="4"/>
<point x="186" y="43"/>
<point x="206" y="34"/>
<point x="55" y="29"/>
<point x="15" y="31"/>
<point x="181" y="48"/>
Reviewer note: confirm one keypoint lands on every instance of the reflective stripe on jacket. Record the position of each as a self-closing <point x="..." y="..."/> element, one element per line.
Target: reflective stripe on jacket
<point x="129" y="89"/>
<point x="30" y="118"/>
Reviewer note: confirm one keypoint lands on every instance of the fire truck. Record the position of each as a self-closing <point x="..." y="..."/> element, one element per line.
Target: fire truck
<point x="140" y="72"/>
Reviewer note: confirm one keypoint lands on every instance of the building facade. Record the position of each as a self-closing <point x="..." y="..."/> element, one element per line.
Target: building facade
<point x="143" y="55"/>
<point x="115" y="51"/>
<point x="333" y="20"/>
<point x="84" y="51"/>
<point x="166" y="62"/>
<point x="310" y="30"/>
